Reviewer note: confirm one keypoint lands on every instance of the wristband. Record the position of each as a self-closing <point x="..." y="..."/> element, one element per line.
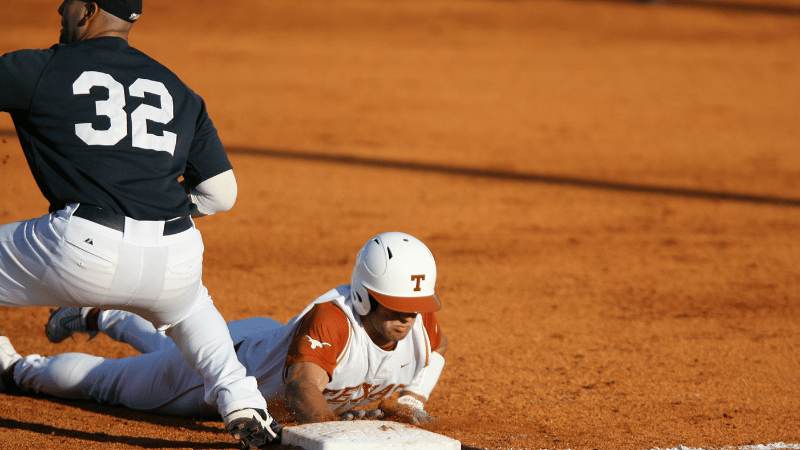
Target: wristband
<point x="412" y="402"/>
<point x="426" y="380"/>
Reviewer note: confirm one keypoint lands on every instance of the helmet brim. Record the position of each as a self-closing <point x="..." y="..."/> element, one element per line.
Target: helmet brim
<point x="424" y="304"/>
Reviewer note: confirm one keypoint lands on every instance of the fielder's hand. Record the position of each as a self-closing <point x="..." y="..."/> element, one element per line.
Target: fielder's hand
<point x="360" y="414"/>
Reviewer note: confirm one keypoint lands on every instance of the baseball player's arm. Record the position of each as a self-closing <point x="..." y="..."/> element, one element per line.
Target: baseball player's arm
<point x="214" y="195"/>
<point x="320" y="337"/>
<point x="303" y="397"/>
<point x="410" y="404"/>
<point x="19" y="73"/>
<point x="422" y="385"/>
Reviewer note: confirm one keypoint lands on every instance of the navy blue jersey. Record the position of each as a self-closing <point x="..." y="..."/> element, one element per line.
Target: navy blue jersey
<point x="104" y="124"/>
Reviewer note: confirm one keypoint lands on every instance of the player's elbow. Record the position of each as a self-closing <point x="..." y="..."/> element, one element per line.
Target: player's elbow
<point x="216" y="194"/>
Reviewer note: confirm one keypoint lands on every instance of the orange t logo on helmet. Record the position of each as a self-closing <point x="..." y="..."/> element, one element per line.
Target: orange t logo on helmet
<point x="417" y="278"/>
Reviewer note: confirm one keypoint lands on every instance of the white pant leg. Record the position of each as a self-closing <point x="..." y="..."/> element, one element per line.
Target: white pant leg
<point x="60" y="260"/>
<point x="23" y="264"/>
<point x="127" y="327"/>
<point x="159" y="382"/>
<point x="204" y="338"/>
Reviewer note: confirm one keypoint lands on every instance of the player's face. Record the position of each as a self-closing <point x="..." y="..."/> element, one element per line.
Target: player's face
<point x="72" y="12"/>
<point x="386" y="327"/>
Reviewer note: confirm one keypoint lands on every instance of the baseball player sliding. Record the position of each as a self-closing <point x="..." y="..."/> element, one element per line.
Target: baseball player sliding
<point x="108" y="132"/>
<point x="376" y="338"/>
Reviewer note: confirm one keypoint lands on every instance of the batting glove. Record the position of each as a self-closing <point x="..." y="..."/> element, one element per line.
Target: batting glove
<point x="412" y="410"/>
<point x="360" y="414"/>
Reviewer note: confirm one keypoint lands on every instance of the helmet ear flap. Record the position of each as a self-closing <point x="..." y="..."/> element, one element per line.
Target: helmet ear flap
<point x="360" y="300"/>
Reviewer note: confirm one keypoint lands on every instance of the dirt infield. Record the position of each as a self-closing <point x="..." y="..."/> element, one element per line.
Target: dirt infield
<point x="611" y="190"/>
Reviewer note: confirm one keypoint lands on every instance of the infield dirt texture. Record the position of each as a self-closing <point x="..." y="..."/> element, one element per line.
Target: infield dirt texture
<point x="611" y="190"/>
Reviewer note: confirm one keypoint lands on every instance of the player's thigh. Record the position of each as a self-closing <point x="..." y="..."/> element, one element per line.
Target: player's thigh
<point x="26" y="264"/>
<point x="182" y="290"/>
<point x="20" y="267"/>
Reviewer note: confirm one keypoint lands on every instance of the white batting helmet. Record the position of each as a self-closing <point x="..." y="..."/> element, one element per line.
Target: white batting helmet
<point x="397" y="270"/>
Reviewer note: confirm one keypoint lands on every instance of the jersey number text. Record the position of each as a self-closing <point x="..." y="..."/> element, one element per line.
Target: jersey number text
<point x="113" y="109"/>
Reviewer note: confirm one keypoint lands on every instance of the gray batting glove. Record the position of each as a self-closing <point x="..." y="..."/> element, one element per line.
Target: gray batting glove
<point x="420" y="417"/>
<point x="360" y="414"/>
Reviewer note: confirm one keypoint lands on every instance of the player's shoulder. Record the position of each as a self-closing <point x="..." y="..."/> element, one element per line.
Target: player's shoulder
<point x="19" y="73"/>
<point x="125" y="58"/>
<point x="30" y="57"/>
<point x="328" y="311"/>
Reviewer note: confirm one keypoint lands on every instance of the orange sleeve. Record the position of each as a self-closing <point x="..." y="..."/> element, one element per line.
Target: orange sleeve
<point x="320" y="338"/>
<point x="432" y="327"/>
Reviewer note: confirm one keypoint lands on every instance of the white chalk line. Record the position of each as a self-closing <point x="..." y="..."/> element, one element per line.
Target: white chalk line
<point x="775" y="446"/>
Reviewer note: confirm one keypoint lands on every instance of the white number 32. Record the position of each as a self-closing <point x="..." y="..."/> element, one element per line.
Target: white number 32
<point x="113" y="109"/>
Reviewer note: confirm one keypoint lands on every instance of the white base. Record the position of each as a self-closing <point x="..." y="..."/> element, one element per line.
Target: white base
<point x="365" y="434"/>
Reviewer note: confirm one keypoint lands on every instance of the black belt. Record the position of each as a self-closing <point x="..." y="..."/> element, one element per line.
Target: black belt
<point x="117" y="221"/>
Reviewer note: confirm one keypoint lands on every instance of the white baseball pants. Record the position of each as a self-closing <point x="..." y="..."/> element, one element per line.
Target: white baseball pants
<point x="158" y="381"/>
<point x="61" y="260"/>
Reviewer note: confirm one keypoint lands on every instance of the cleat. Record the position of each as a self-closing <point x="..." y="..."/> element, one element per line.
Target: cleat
<point x="8" y="357"/>
<point x="255" y="428"/>
<point x="64" y="322"/>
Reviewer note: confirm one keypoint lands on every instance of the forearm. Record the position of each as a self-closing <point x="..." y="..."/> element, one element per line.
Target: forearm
<point x="305" y="401"/>
<point x="422" y="385"/>
<point x="214" y="195"/>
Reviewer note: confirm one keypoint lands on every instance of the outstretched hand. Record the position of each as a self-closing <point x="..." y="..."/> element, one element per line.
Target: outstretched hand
<point x="360" y="414"/>
<point x="412" y="412"/>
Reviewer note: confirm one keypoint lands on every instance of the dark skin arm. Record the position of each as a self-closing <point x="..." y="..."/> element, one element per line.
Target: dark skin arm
<point x="305" y="382"/>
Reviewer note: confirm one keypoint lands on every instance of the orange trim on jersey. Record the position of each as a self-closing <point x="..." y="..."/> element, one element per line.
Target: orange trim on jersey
<point x="349" y="340"/>
<point x="432" y="327"/>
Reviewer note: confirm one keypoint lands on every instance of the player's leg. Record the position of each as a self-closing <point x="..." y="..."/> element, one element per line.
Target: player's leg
<point x="145" y="382"/>
<point x="81" y="263"/>
<point x="51" y="261"/>
<point x="122" y="326"/>
<point x="204" y="339"/>
<point x="154" y="276"/>
<point x="185" y="312"/>
<point x="23" y="265"/>
<point x="127" y="327"/>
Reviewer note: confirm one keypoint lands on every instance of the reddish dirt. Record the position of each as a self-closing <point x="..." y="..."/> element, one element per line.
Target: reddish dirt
<point x="610" y="189"/>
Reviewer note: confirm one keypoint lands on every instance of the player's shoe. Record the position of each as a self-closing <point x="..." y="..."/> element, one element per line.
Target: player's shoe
<point x="8" y="356"/>
<point x="64" y="322"/>
<point x="254" y="427"/>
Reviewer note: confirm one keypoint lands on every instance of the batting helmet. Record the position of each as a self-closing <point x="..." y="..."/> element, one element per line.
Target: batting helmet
<point x="398" y="271"/>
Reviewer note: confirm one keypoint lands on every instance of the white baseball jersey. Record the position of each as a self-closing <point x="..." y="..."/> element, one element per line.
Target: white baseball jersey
<point x="326" y="333"/>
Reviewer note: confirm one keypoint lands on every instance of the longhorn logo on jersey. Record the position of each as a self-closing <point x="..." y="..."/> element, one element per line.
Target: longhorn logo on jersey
<point x="315" y="343"/>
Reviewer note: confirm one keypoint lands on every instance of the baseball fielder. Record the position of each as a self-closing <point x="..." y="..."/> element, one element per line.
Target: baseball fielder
<point x="108" y="132"/>
<point x="374" y="339"/>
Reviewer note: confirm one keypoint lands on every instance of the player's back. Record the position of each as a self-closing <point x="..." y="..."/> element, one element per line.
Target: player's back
<point x="110" y="126"/>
